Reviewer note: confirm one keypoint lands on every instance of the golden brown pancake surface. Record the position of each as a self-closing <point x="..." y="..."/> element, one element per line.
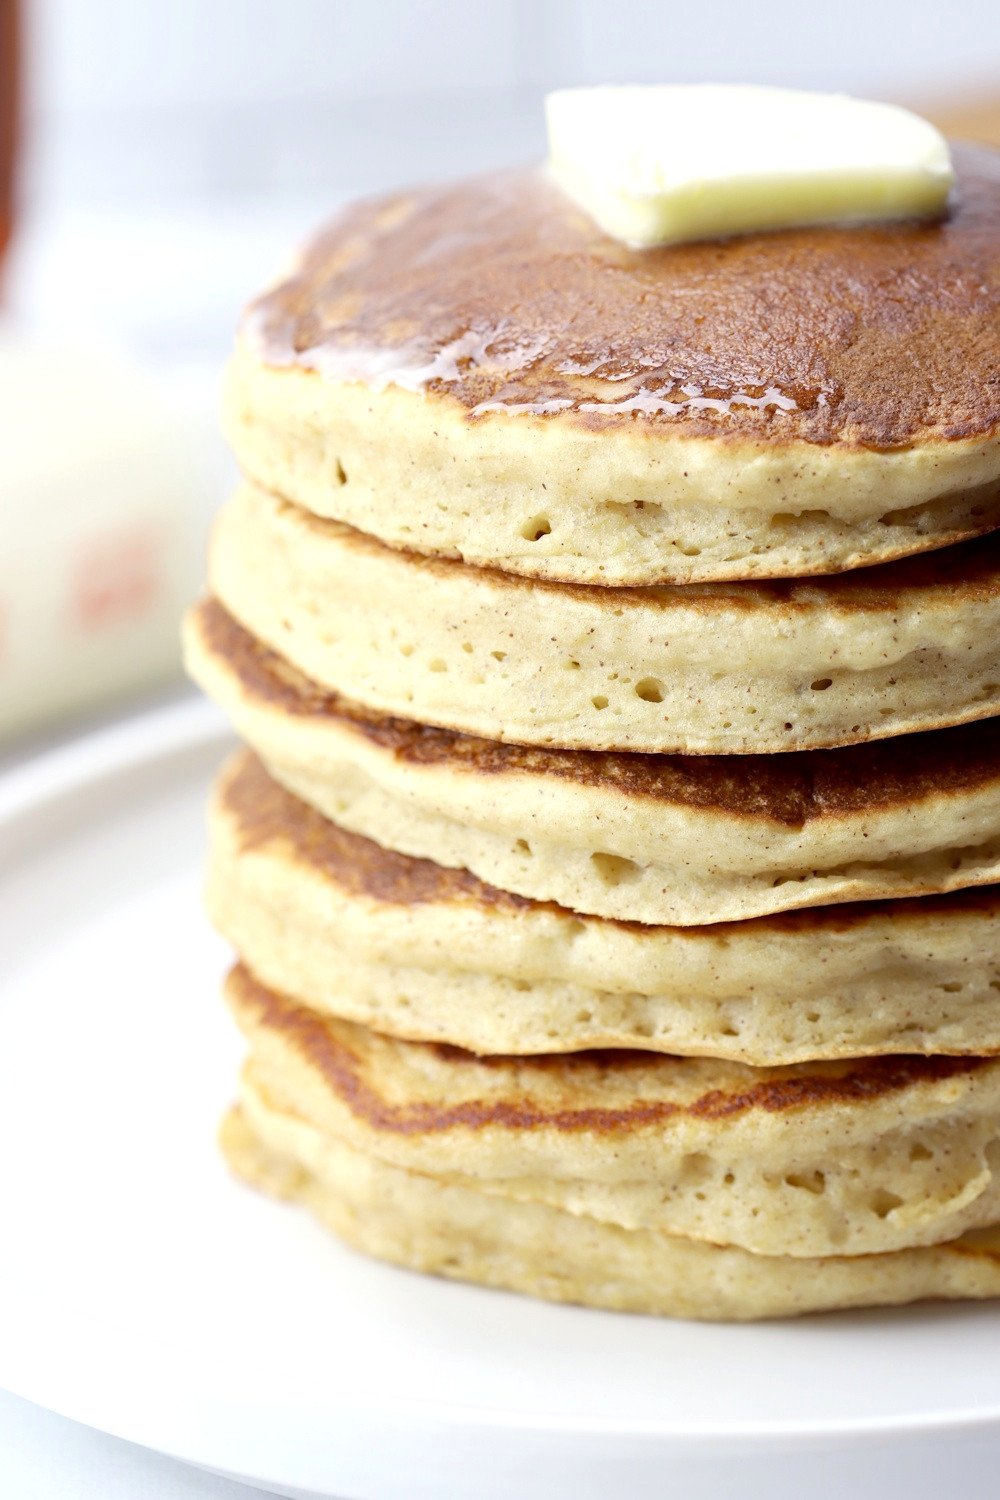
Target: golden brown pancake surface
<point x="819" y="1158"/>
<point x="499" y="293"/>
<point x="266" y="814"/>
<point x="561" y="1091"/>
<point x="791" y="789"/>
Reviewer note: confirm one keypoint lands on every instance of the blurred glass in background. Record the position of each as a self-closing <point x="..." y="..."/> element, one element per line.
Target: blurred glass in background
<point x="169" y="154"/>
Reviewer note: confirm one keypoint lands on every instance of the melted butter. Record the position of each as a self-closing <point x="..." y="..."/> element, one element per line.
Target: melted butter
<point x="649" y="403"/>
<point x="529" y="408"/>
<point x="654" y="404"/>
<point x="414" y="365"/>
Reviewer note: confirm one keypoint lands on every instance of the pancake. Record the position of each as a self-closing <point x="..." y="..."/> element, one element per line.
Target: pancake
<point x="655" y="839"/>
<point x="735" y="668"/>
<point x="846" y="1158"/>
<point x="476" y="371"/>
<point x="456" y="1231"/>
<point x="431" y="954"/>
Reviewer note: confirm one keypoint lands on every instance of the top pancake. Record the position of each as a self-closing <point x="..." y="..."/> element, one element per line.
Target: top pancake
<point x="445" y="367"/>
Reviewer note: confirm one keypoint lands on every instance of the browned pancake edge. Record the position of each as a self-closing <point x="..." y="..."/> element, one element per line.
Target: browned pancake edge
<point x="789" y="789"/>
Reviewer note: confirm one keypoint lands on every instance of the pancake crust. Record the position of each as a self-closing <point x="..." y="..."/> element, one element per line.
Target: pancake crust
<point x="657" y="839"/>
<point x="740" y="668"/>
<point x="823" y="1158"/>
<point x="775" y="401"/>
<point x="457" y="1231"/>
<point x="427" y="953"/>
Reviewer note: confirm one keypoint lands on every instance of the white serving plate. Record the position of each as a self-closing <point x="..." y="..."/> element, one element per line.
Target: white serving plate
<point x="145" y="1293"/>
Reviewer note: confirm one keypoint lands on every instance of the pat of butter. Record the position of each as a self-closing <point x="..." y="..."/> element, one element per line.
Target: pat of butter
<point x="658" y="165"/>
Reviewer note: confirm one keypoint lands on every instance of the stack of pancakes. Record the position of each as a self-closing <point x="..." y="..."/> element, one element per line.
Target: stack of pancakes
<point x="617" y="635"/>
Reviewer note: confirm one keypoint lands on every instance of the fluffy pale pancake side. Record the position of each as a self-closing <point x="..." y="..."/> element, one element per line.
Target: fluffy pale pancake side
<point x="475" y="370"/>
<point x="737" y="668"/>
<point x="817" y="1159"/>
<point x="431" y="954"/>
<point x="454" y="1230"/>
<point x="657" y="839"/>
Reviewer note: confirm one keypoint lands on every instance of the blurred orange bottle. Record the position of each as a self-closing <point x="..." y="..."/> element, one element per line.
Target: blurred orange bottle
<point x="9" y="114"/>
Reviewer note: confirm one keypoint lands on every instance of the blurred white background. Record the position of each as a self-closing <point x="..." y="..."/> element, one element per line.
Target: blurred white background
<point x="174" y="146"/>
<point x="171" y="152"/>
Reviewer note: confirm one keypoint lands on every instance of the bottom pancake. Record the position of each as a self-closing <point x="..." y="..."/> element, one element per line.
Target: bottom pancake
<point x="453" y="1230"/>
<point x="845" y="1158"/>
